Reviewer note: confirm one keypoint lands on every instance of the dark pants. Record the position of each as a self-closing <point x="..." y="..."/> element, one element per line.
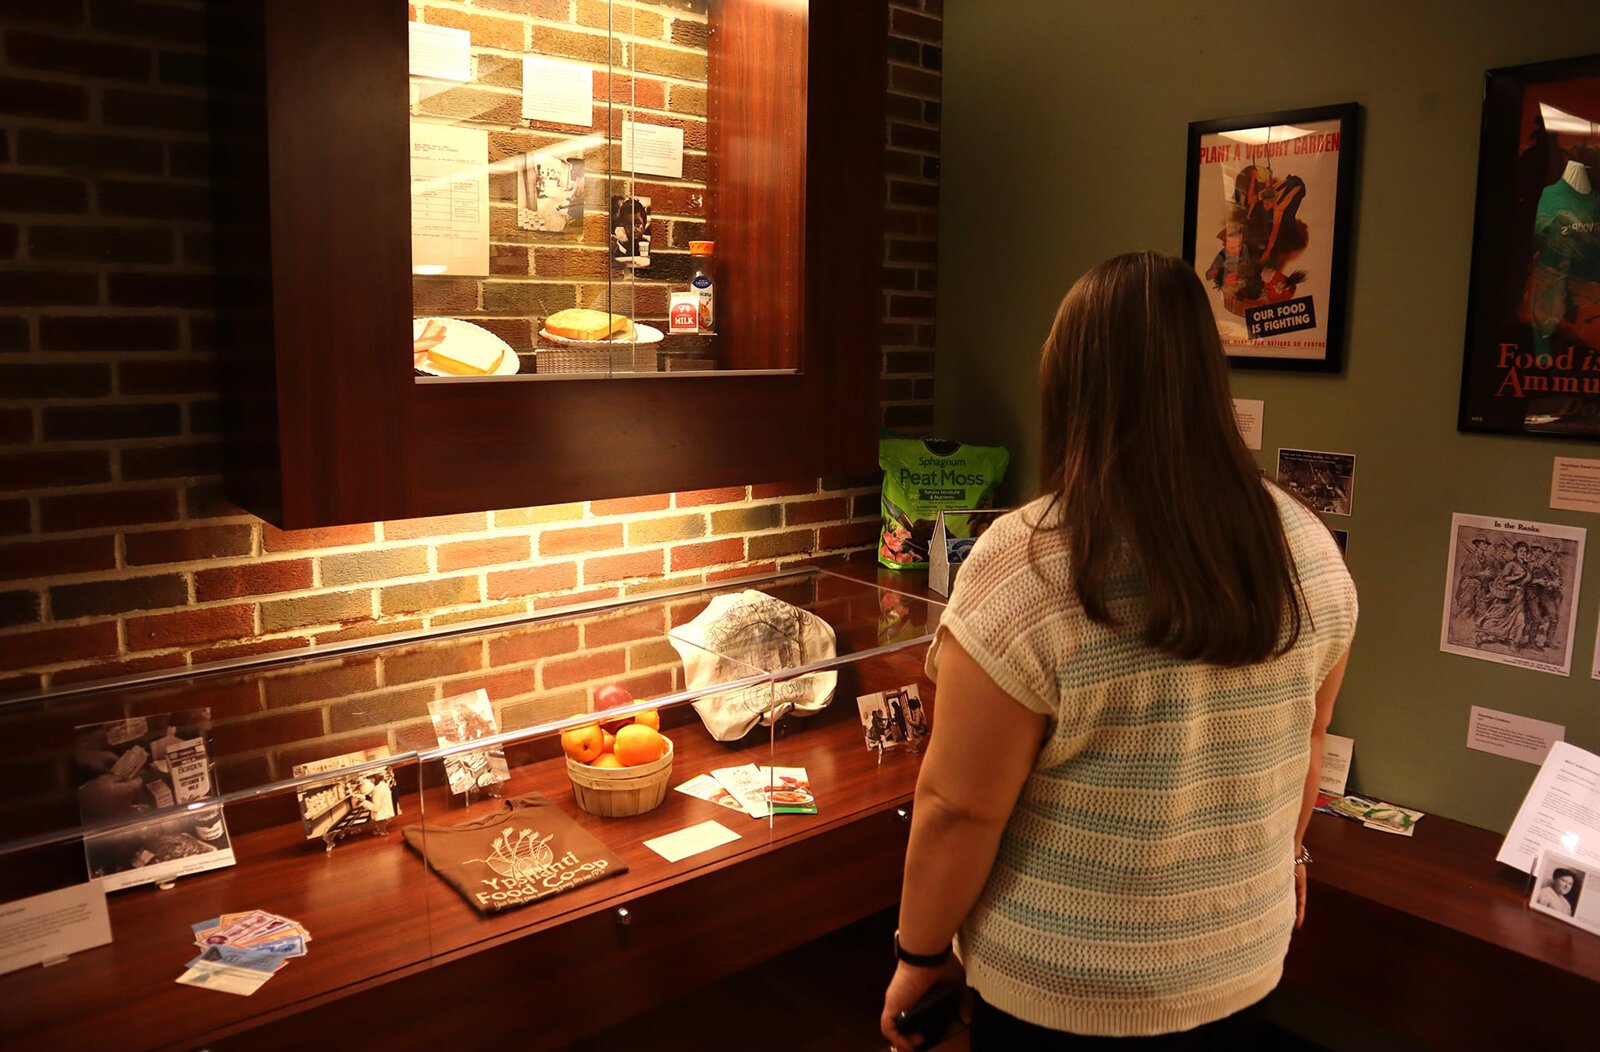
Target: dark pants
<point x="995" y="1031"/>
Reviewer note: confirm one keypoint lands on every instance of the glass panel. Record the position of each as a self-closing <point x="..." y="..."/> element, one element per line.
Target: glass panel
<point x="559" y="164"/>
<point x="304" y="754"/>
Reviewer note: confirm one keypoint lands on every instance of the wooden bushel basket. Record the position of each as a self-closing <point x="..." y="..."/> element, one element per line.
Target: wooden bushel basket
<point x="617" y="792"/>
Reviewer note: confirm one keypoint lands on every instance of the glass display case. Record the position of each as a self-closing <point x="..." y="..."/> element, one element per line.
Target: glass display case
<point x="374" y="164"/>
<point x="562" y="203"/>
<point x="414" y="803"/>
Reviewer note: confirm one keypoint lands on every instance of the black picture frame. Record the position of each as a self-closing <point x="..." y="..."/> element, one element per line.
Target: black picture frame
<point x="1531" y="356"/>
<point x="1257" y="189"/>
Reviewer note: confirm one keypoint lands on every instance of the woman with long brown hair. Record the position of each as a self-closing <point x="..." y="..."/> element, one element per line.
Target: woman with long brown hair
<point x="1136" y="671"/>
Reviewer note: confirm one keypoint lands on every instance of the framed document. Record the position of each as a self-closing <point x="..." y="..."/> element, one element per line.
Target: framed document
<point x="1267" y="227"/>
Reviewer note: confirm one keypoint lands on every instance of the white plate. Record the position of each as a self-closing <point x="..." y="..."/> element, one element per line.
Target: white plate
<point x="464" y="332"/>
<point x="643" y="334"/>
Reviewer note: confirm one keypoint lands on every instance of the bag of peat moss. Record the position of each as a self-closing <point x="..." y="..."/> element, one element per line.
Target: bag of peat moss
<point x="922" y="477"/>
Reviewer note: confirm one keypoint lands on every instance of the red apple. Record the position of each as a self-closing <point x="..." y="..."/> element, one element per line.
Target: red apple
<point x="613" y="696"/>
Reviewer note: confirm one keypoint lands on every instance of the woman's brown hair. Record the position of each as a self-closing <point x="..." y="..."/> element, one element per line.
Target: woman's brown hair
<point x="1142" y="455"/>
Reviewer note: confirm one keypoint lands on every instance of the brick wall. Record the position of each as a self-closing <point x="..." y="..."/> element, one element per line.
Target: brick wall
<point x="118" y="552"/>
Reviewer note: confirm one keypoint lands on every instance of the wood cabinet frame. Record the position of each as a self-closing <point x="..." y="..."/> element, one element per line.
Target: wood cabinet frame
<point x="327" y="425"/>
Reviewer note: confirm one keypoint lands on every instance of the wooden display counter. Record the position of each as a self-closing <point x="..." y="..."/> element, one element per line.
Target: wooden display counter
<point x="399" y="960"/>
<point x="1431" y="937"/>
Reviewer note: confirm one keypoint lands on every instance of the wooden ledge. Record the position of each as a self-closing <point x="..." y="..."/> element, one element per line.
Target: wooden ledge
<point x="1433" y="938"/>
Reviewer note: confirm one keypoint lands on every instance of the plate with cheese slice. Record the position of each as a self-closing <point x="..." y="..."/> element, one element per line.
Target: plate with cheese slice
<point x="585" y="327"/>
<point x="452" y="347"/>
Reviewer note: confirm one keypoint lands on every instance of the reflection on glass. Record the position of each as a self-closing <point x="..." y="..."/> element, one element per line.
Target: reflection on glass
<point x="559" y="175"/>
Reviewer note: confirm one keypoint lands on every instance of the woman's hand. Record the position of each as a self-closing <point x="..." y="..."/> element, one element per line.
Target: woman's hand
<point x="907" y="987"/>
<point x="1299" y="896"/>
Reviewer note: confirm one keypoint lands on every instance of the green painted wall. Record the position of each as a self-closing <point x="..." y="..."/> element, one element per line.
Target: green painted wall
<point x="1064" y="142"/>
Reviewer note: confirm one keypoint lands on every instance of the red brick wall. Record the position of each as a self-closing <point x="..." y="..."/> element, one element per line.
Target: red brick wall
<point x="118" y="552"/>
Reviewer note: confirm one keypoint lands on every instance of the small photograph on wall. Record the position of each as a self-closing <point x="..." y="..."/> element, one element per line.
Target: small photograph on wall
<point x="1325" y="481"/>
<point x="1532" y="357"/>
<point x="1511" y="592"/>
<point x="550" y="193"/>
<point x="1266" y="225"/>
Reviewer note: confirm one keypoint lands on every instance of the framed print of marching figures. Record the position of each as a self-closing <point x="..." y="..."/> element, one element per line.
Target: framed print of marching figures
<point x="1511" y="592"/>
<point x="1266" y="224"/>
<point x="1532" y="358"/>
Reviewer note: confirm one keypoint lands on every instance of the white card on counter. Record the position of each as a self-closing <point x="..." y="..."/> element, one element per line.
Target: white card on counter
<point x="674" y="847"/>
<point x="705" y="787"/>
<point x="1575" y="484"/>
<point x="558" y="92"/>
<point x="441" y="52"/>
<point x="53" y="925"/>
<point x="237" y="981"/>
<point x="1560" y="813"/>
<point x="1507" y="734"/>
<point x="1247" y="414"/>
<point x="1336" y="754"/>
<point x="651" y="149"/>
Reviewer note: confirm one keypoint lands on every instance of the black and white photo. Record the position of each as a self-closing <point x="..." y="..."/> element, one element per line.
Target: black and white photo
<point x="550" y="192"/>
<point x="1561" y="889"/>
<point x="157" y="766"/>
<point x="630" y="231"/>
<point x="355" y="800"/>
<point x="1325" y="481"/>
<point x="893" y="718"/>
<point x="467" y="718"/>
<point x="1511" y="592"/>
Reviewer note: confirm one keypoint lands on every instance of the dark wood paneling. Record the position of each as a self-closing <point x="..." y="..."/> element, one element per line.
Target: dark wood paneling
<point x="846" y="119"/>
<point x="756" y="129"/>
<point x="509" y="445"/>
<point x="338" y="155"/>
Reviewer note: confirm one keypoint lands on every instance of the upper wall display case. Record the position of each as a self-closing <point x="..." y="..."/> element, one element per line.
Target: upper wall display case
<point x="442" y="178"/>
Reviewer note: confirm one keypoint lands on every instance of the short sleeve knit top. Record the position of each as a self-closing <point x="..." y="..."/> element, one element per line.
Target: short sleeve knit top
<point x="1144" y="883"/>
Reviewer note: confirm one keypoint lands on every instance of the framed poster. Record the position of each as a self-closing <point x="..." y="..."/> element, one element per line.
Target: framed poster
<point x="1532" y="358"/>
<point x="1266" y="224"/>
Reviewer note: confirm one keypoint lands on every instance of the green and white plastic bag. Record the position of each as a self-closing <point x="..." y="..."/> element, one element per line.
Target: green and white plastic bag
<point x="922" y="477"/>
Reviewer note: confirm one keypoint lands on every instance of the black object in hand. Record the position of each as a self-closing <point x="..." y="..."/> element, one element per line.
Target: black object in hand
<point x="936" y="1015"/>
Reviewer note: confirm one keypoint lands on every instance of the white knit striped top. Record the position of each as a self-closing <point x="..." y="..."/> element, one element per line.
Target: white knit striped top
<point x="1144" y="882"/>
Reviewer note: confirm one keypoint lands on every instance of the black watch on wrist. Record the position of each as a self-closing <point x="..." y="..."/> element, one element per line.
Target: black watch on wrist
<point x="920" y="960"/>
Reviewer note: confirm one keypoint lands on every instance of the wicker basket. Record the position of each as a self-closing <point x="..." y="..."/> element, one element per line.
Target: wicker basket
<point x="617" y="792"/>
<point x="622" y="358"/>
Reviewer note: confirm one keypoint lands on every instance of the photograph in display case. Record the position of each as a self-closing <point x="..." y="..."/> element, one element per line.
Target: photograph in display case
<point x="466" y="718"/>
<point x="893" y="718"/>
<point x="550" y="191"/>
<point x="630" y="231"/>
<point x="1511" y="592"/>
<point x="365" y="799"/>
<point x="156" y="766"/>
<point x="1531" y="363"/>
<point x="1267" y="220"/>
